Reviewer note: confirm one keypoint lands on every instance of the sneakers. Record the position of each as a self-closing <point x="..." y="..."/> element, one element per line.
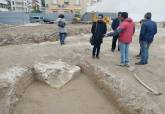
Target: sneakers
<point x="140" y="63"/>
<point x="63" y="43"/>
<point x="127" y="65"/>
<point x="95" y="57"/>
<point x="112" y="50"/>
<point x="124" y="65"/>
<point x="137" y="56"/>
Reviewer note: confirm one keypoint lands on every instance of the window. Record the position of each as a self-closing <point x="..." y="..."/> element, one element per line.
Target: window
<point x="55" y="12"/>
<point x="13" y="2"/>
<point x="66" y="2"/>
<point x="66" y="11"/>
<point x="55" y="1"/>
<point x="77" y="2"/>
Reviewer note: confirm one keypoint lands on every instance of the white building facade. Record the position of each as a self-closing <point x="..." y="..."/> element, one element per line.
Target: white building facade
<point x="21" y="5"/>
<point x="4" y="5"/>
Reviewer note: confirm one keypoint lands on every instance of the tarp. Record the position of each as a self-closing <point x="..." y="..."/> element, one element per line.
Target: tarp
<point x="135" y="8"/>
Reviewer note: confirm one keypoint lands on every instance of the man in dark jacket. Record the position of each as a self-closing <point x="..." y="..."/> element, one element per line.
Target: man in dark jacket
<point x="141" y="22"/>
<point x="98" y="30"/>
<point x="147" y="33"/>
<point x="116" y="22"/>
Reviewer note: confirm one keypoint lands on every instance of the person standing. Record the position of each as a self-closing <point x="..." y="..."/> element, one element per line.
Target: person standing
<point x="125" y="31"/>
<point x="62" y="28"/>
<point x="116" y="22"/>
<point x="98" y="30"/>
<point x="141" y="22"/>
<point x="147" y="33"/>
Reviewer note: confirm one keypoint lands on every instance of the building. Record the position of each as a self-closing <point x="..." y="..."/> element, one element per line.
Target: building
<point x="21" y="5"/>
<point x="92" y="2"/>
<point x="69" y="6"/>
<point x="37" y="5"/>
<point x="4" y="5"/>
<point x="63" y="5"/>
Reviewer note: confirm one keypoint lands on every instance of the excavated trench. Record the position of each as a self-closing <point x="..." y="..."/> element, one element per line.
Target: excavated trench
<point x="80" y="96"/>
<point x="27" y="93"/>
<point x="94" y="90"/>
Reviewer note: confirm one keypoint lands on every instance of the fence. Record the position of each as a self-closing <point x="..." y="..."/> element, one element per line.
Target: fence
<point x="18" y="18"/>
<point x="15" y="18"/>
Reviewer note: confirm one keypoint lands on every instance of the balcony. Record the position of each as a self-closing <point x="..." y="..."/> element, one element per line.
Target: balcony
<point x="3" y="9"/>
<point x="3" y="2"/>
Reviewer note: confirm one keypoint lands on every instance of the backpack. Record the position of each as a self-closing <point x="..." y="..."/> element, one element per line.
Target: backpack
<point x="61" y="24"/>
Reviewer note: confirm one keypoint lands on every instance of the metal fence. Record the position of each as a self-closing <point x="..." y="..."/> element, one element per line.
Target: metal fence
<point x="18" y="18"/>
<point x="15" y="18"/>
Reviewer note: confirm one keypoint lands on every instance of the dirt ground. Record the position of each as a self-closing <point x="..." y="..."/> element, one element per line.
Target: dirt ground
<point x="80" y="96"/>
<point x="28" y="54"/>
<point x="37" y="33"/>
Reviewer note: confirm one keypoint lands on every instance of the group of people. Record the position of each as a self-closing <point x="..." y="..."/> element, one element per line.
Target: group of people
<point x="123" y="31"/>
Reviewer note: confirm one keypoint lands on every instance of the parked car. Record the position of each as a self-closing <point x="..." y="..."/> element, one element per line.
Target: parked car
<point x="48" y="21"/>
<point x="35" y="19"/>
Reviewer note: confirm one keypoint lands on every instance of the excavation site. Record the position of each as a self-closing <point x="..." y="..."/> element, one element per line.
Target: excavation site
<point x="40" y="76"/>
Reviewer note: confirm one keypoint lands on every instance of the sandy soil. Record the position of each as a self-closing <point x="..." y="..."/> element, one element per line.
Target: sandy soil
<point x="78" y="97"/>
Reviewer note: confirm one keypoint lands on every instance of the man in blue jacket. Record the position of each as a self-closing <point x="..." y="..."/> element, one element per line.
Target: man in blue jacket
<point x="147" y="33"/>
<point x="116" y="22"/>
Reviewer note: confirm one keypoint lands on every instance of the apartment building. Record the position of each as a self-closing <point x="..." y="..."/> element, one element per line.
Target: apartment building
<point x="21" y="5"/>
<point x="4" y="5"/>
<point x="70" y="6"/>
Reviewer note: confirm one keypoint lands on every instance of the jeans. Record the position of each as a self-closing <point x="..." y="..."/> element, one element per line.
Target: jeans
<point x="144" y="51"/>
<point x="124" y="53"/>
<point x="62" y="38"/>
<point x="96" y="48"/>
